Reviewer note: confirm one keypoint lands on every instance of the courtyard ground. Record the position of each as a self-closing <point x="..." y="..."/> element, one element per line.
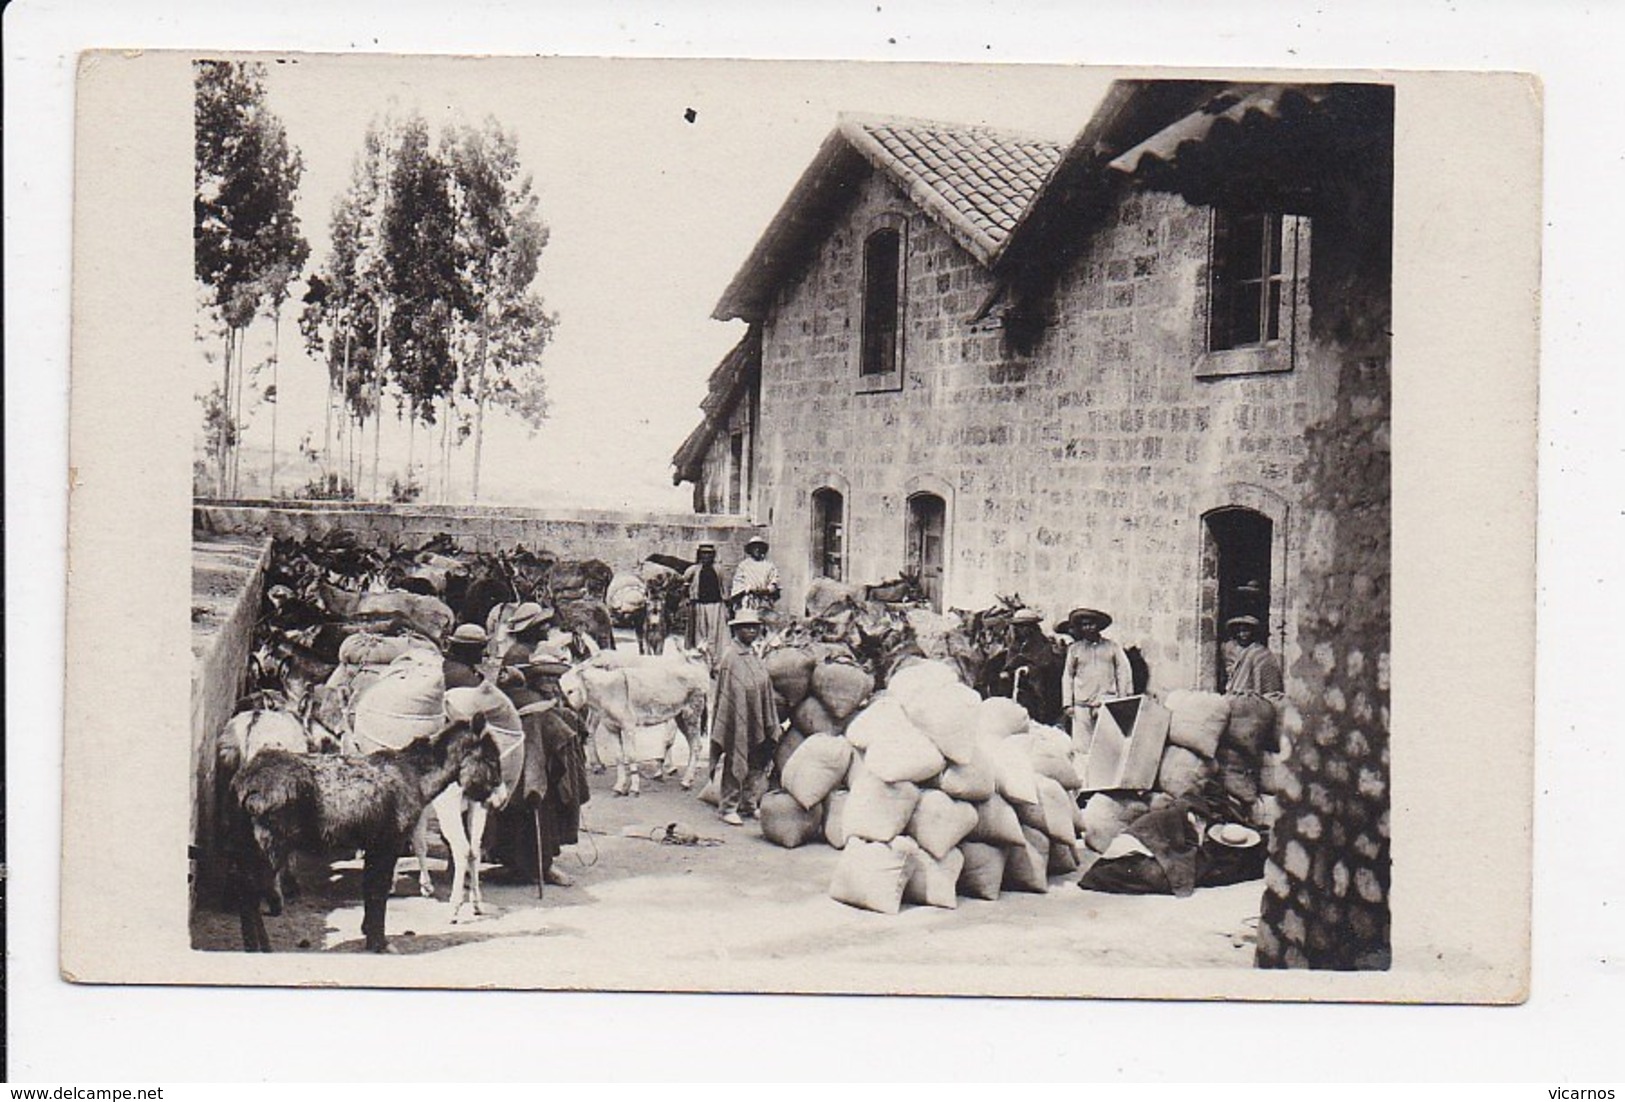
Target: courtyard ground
<point x="739" y="905"/>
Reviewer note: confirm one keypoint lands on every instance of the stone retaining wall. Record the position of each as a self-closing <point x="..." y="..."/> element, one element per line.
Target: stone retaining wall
<point x="621" y="539"/>
<point x="219" y="663"/>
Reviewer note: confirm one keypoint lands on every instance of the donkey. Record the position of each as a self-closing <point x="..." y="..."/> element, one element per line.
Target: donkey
<point x="309" y="802"/>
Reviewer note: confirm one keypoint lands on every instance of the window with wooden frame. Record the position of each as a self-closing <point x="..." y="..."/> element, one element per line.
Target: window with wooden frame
<point x="880" y="340"/>
<point x="1254" y="301"/>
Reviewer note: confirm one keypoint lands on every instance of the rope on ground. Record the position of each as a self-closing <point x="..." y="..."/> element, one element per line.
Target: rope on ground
<point x="671" y="834"/>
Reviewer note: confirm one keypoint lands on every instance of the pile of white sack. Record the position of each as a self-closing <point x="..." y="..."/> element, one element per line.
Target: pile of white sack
<point x="929" y="791"/>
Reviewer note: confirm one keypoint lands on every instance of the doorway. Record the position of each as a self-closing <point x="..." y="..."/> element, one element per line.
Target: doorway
<point x="828" y="534"/>
<point x="927" y="514"/>
<point x="1237" y="551"/>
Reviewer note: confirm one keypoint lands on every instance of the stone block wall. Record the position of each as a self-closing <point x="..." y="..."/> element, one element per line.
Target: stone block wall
<point x="1077" y="472"/>
<point x="1326" y="901"/>
<point x="620" y="539"/>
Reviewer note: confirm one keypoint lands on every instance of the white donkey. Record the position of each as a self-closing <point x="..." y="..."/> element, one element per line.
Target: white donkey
<point x="641" y="691"/>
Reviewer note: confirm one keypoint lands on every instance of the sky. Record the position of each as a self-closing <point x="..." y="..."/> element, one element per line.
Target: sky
<point x="650" y="217"/>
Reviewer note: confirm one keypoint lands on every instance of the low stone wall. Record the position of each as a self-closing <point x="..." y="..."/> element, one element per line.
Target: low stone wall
<point x="621" y="539"/>
<point x="226" y="600"/>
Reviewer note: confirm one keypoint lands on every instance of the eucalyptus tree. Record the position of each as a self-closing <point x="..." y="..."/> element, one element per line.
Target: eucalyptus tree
<point x="500" y="238"/>
<point x="247" y="247"/>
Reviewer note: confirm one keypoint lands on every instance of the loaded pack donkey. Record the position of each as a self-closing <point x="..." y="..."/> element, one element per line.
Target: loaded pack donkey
<point x="628" y="691"/>
<point x="285" y="802"/>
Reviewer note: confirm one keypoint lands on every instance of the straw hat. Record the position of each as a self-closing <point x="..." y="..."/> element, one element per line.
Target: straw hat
<point x="528" y="615"/>
<point x="1027" y="616"/>
<point x="756" y="541"/>
<point x="1234" y="835"/>
<point x="746" y="616"/>
<point x="469" y="635"/>
<point x="1235" y="621"/>
<point x="1101" y="618"/>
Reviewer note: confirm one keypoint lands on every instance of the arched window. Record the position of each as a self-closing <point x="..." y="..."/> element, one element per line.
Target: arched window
<point x="882" y="264"/>
<point x="828" y="534"/>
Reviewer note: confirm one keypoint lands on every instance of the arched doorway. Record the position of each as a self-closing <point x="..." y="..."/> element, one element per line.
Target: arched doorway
<point x="1238" y="546"/>
<point x="923" y="543"/>
<point x="829" y="534"/>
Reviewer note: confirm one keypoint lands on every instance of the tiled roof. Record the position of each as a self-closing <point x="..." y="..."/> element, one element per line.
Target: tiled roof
<point x="723" y="390"/>
<point x="974" y="179"/>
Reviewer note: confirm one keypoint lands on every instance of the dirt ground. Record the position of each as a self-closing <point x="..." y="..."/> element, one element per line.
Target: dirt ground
<point x="739" y="898"/>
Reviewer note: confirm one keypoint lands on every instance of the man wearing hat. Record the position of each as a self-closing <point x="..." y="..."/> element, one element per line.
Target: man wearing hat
<point x="747" y="719"/>
<point x="464" y="652"/>
<point x="526" y="629"/>
<point x="1256" y="671"/>
<point x="545" y="813"/>
<point x="1096" y="670"/>
<point x="1028" y="670"/>
<point x="756" y="579"/>
<point x="707" y="614"/>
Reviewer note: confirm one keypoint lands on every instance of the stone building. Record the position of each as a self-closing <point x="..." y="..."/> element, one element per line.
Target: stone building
<point x="1147" y="372"/>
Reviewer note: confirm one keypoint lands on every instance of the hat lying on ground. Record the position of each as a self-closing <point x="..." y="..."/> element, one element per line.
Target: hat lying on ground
<point x="746" y="616"/>
<point x="469" y="635"/>
<point x="1234" y="835"/>
<point x="1027" y="616"/>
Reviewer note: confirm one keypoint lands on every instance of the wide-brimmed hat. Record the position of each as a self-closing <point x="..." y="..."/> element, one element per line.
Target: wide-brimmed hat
<point x="469" y="635"/>
<point x="1250" y="621"/>
<point x="547" y="663"/>
<point x="1027" y="616"/>
<point x="528" y="615"/>
<point x="1103" y="619"/>
<point x="746" y="616"/>
<point x="755" y="541"/>
<point x="1234" y="835"/>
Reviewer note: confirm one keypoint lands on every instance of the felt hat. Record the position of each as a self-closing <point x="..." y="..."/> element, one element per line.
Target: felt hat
<point x="756" y="541"/>
<point x="1027" y="616"/>
<point x="469" y="635"/>
<point x="704" y="547"/>
<point x="1234" y="835"/>
<point x="1236" y="621"/>
<point x="528" y="615"/>
<point x="1101" y="618"/>
<point x="746" y="616"/>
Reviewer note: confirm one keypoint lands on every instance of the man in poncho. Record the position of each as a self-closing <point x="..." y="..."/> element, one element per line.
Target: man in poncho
<point x="545" y="813"/>
<point x="1256" y="671"/>
<point x="747" y="719"/>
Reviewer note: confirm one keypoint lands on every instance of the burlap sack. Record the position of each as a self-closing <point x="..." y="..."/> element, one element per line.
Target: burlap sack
<point x="996" y="823"/>
<point x="983" y="870"/>
<point x="786" y="823"/>
<point x="816" y="769"/>
<point x="1197" y="720"/>
<point x="934" y="881"/>
<point x="1026" y="868"/>
<point x="878" y="811"/>
<point x="940" y="823"/>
